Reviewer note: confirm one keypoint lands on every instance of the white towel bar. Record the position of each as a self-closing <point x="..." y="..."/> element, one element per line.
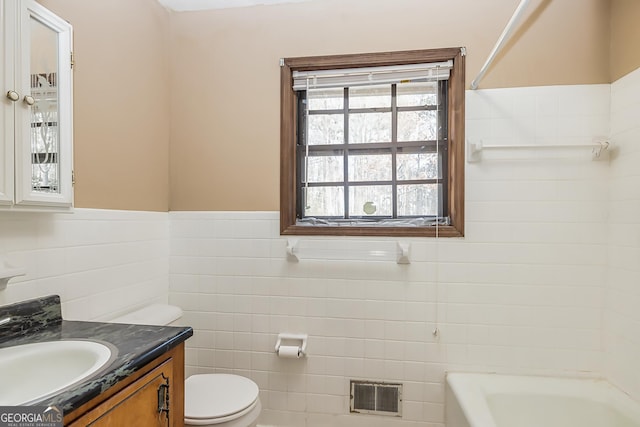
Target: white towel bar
<point x="599" y="149"/>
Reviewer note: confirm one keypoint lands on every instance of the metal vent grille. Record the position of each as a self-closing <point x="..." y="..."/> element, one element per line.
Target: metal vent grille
<point x="368" y="397"/>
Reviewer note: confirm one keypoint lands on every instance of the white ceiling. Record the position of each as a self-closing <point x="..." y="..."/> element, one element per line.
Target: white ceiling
<point x="184" y="5"/>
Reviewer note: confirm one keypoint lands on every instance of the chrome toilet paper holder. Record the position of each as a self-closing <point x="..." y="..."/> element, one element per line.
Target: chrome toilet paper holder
<point x="291" y="340"/>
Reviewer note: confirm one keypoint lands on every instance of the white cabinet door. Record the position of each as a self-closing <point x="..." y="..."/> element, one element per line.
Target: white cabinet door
<point x="42" y="149"/>
<point x="7" y="116"/>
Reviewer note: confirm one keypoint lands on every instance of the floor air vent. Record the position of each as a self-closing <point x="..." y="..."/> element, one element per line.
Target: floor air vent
<point x="369" y="397"/>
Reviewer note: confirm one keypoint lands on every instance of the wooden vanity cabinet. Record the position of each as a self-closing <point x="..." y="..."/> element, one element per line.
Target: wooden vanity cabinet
<point x="152" y="397"/>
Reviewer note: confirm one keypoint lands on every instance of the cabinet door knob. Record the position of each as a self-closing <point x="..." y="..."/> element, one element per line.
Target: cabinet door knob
<point x="13" y="95"/>
<point x="29" y="100"/>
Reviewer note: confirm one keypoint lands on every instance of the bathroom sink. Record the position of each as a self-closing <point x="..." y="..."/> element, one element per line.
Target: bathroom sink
<point x="33" y="372"/>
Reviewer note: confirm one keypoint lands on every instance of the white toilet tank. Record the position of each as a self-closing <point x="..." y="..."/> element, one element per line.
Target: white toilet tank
<point x="214" y="400"/>
<point x="154" y="314"/>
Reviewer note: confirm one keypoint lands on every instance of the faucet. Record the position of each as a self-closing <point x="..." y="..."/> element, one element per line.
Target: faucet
<point x="5" y="321"/>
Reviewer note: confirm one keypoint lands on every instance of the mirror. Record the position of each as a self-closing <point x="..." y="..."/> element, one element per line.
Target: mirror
<point x="45" y="140"/>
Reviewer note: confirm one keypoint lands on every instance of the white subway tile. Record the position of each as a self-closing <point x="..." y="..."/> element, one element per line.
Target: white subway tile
<point x="522" y="292"/>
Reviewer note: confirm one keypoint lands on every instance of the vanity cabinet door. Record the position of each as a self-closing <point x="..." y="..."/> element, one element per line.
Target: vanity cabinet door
<point x="146" y="402"/>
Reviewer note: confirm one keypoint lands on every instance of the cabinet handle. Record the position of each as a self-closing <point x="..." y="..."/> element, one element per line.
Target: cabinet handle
<point x="13" y="95"/>
<point x="163" y="397"/>
<point x="29" y="100"/>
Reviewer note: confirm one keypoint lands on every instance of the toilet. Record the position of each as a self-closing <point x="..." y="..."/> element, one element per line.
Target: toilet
<point x="221" y="400"/>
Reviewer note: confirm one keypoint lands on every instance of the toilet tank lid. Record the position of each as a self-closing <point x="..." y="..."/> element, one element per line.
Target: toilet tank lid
<point x="154" y="314"/>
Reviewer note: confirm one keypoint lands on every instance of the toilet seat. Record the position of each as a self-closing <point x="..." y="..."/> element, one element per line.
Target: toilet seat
<point x="218" y="398"/>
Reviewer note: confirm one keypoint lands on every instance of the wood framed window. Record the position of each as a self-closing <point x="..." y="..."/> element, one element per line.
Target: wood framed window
<point x="373" y="144"/>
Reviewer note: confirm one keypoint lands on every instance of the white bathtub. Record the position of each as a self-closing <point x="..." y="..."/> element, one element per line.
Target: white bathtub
<point x="491" y="400"/>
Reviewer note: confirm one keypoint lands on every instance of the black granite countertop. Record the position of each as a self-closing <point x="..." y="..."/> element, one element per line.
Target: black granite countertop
<point x="40" y="320"/>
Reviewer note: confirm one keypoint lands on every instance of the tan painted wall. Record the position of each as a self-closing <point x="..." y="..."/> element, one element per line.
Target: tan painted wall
<point x="121" y="102"/>
<point x="225" y="105"/>
<point x="625" y="37"/>
<point x="223" y="116"/>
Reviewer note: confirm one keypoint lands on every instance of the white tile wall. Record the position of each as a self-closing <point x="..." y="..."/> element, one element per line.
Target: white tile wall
<point x="520" y="293"/>
<point x="100" y="262"/>
<point x="622" y="317"/>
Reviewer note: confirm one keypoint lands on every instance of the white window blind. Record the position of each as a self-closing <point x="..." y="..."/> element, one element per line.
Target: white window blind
<point x="303" y="80"/>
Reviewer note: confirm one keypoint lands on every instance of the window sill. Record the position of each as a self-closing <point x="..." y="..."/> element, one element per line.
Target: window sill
<point x="442" y="231"/>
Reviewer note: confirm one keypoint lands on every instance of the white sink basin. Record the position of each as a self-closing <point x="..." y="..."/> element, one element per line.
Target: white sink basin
<point x="31" y="372"/>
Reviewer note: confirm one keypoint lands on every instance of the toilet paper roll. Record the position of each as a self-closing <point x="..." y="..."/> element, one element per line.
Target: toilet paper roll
<point x="289" y="351"/>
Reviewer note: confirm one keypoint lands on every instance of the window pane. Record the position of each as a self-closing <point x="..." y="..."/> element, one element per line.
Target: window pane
<point x="370" y="167"/>
<point x="325" y="201"/>
<point x="326" y="129"/>
<point x="416" y="94"/>
<point x="417" y="125"/>
<point x="326" y="99"/>
<point x="368" y="200"/>
<point x="369" y="127"/>
<point x="325" y="168"/>
<point x="420" y="200"/>
<point x="370" y="97"/>
<point x="417" y="166"/>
